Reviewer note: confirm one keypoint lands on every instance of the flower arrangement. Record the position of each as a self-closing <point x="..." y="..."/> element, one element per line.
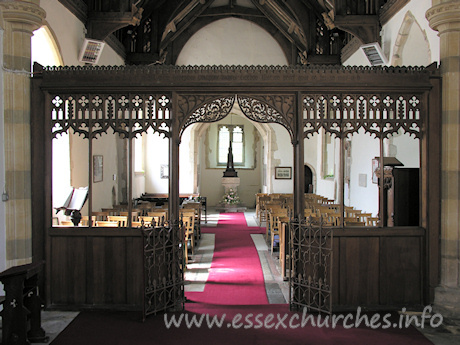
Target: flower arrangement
<point x="231" y="197"/>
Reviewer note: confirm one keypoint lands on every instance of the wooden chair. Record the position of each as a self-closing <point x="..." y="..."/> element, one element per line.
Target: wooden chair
<point x="67" y="223"/>
<point x="188" y="221"/>
<point x="121" y="220"/>
<point x="196" y="206"/>
<point x="258" y="196"/>
<point x="372" y="221"/>
<point x="323" y="209"/>
<point x="350" y="219"/>
<point x="147" y="220"/>
<point x="100" y="215"/>
<point x="105" y="223"/>
<point x="134" y="215"/>
<point x="316" y="220"/>
<point x="354" y="223"/>
<point x="85" y="220"/>
<point x="362" y="217"/>
<point x="160" y="217"/>
<point x="283" y="235"/>
<point x="263" y="211"/>
<point x="307" y="212"/>
<point x="270" y="219"/>
<point x="144" y="208"/>
<point x="110" y="211"/>
<point x="334" y="218"/>
<point x="275" y="226"/>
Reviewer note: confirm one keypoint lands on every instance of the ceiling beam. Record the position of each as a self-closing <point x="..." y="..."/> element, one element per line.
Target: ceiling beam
<point x="284" y="21"/>
<point x="101" y="24"/>
<point x="187" y="13"/>
<point x="365" y="27"/>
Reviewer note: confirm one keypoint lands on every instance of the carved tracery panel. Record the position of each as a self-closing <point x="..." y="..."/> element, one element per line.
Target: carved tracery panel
<point x="91" y="115"/>
<point x="379" y="114"/>
<point x="270" y="109"/>
<point x="203" y="108"/>
<point x="260" y="108"/>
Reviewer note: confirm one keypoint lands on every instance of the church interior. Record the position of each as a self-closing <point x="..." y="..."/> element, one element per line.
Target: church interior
<point x="337" y="118"/>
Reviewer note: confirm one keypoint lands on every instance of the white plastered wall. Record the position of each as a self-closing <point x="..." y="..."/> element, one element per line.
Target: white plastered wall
<point x="235" y="41"/>
<point x="419" y="48"/>
<point x="70" y="34"/>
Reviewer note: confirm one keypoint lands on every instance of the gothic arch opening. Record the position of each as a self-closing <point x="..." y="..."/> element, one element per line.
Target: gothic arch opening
<point x="411" y="38"/>
<point x="257" y="115"/>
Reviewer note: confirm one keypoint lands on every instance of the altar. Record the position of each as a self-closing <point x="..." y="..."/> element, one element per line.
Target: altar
<point x="230" y="181"/>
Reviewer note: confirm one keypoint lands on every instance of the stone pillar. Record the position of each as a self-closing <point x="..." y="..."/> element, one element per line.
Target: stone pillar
<point x="18" y="19"/>
<point x="444" y="17"/>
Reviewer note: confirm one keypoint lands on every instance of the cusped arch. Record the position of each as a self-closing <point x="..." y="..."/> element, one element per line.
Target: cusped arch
<point x="258" y="108"/>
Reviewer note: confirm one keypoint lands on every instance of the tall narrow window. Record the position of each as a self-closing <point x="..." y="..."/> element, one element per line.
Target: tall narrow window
<point x="235" y="134"/>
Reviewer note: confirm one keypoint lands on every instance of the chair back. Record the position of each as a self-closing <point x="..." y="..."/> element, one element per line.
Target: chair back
<point x="105" y="223"/>
<point x="100" y="215"/>
<point x="122" y="220"/>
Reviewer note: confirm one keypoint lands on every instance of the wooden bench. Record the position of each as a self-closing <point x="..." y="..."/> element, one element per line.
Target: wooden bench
<point x="21" y="315"/>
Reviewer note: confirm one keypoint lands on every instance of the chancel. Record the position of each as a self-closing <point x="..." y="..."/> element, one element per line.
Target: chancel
<point x="285" y="113"/>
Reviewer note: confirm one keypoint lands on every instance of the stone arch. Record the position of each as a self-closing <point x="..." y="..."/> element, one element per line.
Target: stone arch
<point x="314" y="175"/>
<point x="52" y="41"/>
<point x="403" y="36"/>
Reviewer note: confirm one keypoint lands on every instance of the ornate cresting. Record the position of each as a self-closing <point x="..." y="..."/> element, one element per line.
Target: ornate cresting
<point x="379" y="114"/>
<point x="128" y="114"/>
<point x="163" y="269"/>
<point x="311" y="255"/>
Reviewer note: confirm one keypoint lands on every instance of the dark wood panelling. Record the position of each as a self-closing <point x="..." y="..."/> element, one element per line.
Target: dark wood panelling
<point x="400" y="270"/>
<point x="68" y="273"/>
<point x="358" y="269"/>
<point x="377" y="268"/>
<point x="94" y="269"/>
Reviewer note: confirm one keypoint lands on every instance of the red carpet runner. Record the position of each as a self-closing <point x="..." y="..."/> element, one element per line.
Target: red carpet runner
<point x="234" y="293"/>
<point x="236" y="276"/>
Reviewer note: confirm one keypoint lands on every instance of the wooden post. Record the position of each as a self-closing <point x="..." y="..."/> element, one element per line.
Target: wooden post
<point x="174" y="143"/>
<point x="299" y="176"/>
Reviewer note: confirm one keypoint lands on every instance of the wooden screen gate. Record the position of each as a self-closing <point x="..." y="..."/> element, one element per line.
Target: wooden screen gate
<point x="311" y="255"/>
<point x="163" y="269"/>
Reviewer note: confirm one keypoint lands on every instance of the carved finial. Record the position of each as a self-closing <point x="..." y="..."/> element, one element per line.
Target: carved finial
<point x="303" y="57"/>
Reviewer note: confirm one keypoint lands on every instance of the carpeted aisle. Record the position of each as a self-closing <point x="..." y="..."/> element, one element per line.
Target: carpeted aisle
<point x="232" y="309"/>
<point x="236" y="276"/>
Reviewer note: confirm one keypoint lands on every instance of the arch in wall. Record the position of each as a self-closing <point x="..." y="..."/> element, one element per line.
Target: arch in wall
<point x="258" y="108"/>
<point x="403" y="39"/>
<point x="310" y="178"/>
<point x="45" y="40"/>
<point x="265" y="133"/>
<point x="195" y="39"/>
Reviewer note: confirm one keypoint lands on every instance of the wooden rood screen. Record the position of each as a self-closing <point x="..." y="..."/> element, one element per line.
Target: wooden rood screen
<point x="167" y="99"/>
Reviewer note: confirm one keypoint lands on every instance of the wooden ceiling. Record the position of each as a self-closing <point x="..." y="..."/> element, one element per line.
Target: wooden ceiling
<point x="309" y="31"/>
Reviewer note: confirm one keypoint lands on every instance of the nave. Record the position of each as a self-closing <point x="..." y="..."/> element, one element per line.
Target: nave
<point x="212" y="264"/>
